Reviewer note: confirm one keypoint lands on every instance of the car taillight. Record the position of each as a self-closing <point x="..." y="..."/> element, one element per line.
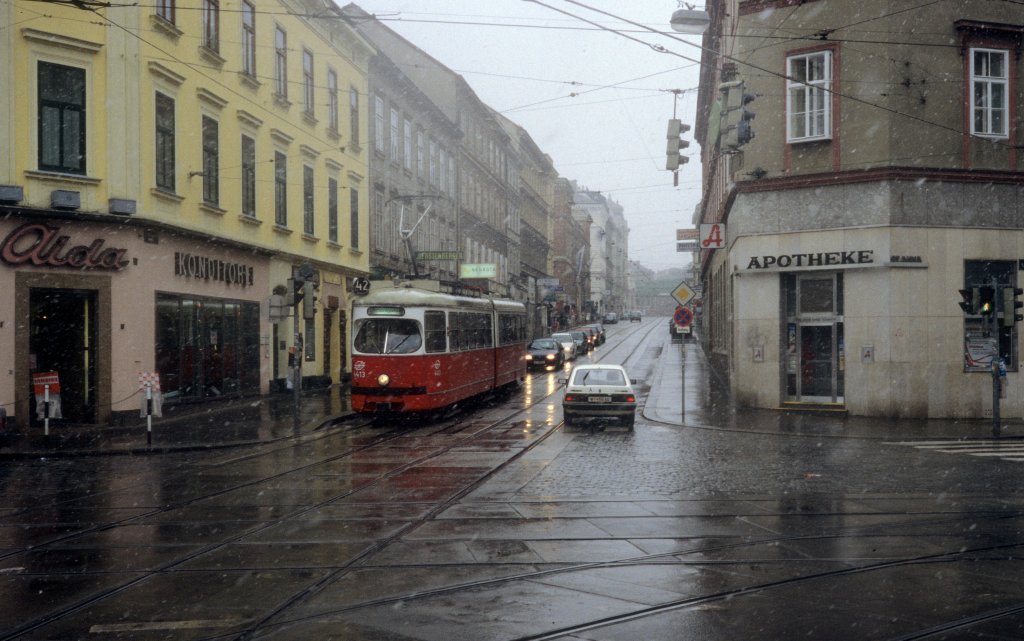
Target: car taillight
<point x="630" y="398"/>
<point x="570" y="397"/>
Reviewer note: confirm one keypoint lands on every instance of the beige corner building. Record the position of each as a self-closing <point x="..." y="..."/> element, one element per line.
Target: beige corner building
<point x="883" y="175"/>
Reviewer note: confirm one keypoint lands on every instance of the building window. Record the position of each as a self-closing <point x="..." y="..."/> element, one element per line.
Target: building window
<point x="281" y="62"/>
<point x="353" y="114"/>
<point x="280" y="189"/>
<point x="307" y="81"/>
<point x="332" y="210"/>
<point x="307" y="200"/>
<point x="248" y="176"/>
<point x="377" y="220"/>
<point x="395" y="148"/>
<point x="989" y="84"/>
<point x="248" y="38"/>
<point x="332" y="100"/>
<point x="996" y="275"/>
<point x="378" y="124"/>
<point x="165" y="10"/>
<point x="61" y="118"/>
<point x="354" y="218"/>
<point x="211" y="24"/>
<point x="421" y="155"/>
<point x="211" y="161"/>
<point x="808" y="97"/>
<point x="407" y="145"/>
<point x="164" y="142"/>
<point x="433" y="162"/>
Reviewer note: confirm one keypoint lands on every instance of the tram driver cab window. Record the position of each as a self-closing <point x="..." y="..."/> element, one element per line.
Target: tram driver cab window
<point x="388" y="336"/>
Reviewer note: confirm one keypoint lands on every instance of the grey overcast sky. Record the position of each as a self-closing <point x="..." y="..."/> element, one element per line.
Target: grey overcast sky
<point x="597" y="102"/>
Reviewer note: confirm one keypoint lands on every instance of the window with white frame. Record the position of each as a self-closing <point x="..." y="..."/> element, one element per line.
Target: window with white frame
<point x="248" y="39"/>
<point x="989" y="95"/>
<point x="378" y="123"/>
<point x="211" y="24"/>
<point x="396" y="137"/>
<point x="353" y="115"/>
<point x="307" y="82"/>
<point x="332" y="100"/>
<point x="281" y="62"/>
<point x="808" y="97"/>
<point x="407" y="145"/>
<point x="165" y="9"/>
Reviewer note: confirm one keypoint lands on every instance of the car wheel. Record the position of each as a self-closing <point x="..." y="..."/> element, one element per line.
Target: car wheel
<point x="568" y="420"/>
<point x="629" y="420"/>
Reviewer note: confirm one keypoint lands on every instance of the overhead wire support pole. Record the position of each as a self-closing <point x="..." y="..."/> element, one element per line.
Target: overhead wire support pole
<point x="406" y="234"/>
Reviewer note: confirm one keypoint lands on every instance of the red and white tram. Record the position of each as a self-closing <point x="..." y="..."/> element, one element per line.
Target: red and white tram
<point x="415" y="348"/>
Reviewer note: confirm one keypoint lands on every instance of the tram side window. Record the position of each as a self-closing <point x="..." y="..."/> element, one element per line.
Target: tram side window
<point x="434" y="332"/>
<point x="471" y="331"/>
<point x="511" y="329"/>
<point x="388" y="336"/>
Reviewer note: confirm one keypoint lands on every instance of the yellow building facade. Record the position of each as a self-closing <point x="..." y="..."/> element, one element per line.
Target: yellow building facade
<point x="164" y="171"/>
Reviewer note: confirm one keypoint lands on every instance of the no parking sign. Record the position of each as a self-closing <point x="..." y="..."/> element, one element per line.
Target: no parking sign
<point x="683" y="317"/>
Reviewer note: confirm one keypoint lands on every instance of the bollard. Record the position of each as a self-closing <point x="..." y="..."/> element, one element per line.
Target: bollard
<point x="46" y="413"/>
<point x="149" y="413"/>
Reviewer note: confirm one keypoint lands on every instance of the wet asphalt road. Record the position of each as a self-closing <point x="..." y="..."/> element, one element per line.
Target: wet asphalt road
<point x="499" y="523"/>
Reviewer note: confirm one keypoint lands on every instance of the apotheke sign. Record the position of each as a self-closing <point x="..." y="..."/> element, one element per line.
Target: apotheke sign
<point x="819" y="259"/>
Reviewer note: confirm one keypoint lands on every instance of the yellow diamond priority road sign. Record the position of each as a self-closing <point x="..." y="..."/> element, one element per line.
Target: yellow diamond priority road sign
<point x="683" y="294"/>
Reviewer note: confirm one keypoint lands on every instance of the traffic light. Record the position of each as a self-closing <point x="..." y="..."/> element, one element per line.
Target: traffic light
<point x="1011" y="305"/>
<point x="308" y="300"/>
<point x="674" y="158"/>
<point x="970" y="300"/>
<point x="987" y="301"/>
<point x="735" y="130"/>
<point x="294" y="294"/>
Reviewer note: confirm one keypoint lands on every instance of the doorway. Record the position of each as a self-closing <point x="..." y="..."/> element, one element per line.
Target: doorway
<point x="815" y="345"/>
<point x="63" y="338"/>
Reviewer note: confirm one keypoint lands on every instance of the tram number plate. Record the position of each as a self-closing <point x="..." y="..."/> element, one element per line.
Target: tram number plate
<point x="599" y="399"/>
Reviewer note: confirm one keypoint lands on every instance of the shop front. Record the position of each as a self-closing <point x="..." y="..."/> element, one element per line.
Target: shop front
<point x="90" y="306"/>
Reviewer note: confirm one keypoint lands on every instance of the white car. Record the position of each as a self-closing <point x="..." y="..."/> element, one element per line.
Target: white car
<point x="599" y="391"/>
<point x="568" y="344"/>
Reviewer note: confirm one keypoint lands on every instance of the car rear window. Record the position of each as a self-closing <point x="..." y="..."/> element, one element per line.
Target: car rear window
<point x="598" y="377"/>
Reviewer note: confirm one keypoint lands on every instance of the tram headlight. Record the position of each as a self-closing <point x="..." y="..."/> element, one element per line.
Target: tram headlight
<point x="383" y="380"/>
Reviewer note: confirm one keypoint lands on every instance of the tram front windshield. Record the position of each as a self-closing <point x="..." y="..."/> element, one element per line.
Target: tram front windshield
<point x="388" y="336"/>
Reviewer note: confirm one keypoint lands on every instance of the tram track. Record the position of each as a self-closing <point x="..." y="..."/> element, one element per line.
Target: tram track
<point x="394" y="433"/>
<point x="677" y="557"/>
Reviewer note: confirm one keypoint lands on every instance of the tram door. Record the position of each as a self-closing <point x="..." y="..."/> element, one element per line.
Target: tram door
<point x="816" y="347"/>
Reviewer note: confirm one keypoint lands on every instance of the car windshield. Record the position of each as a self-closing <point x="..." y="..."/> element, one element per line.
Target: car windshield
<point x="598" y="376"/>
<point x="544" y="343"/>
<point x="387" y="336"/>
<point x="562" y="338"/>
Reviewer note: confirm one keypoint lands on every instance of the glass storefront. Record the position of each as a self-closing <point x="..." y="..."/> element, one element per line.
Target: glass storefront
<point x="206" y="347"/>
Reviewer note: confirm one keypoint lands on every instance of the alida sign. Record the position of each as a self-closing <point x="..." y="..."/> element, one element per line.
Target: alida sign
<point x="44" y="246"/>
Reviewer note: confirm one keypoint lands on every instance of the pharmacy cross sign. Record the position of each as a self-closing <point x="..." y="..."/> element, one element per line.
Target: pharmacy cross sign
<point x="683" y="294"/>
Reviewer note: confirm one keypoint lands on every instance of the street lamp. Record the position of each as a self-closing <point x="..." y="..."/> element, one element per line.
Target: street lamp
<point x="690" y="20"/>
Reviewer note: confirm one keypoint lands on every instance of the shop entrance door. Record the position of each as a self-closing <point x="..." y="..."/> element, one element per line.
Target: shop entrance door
<point x="816" y="363"/>
<point x="63" y="339"/>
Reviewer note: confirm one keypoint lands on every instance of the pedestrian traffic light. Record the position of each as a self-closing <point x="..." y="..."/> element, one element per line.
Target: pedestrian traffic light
<point x="674" y="157"/>
<point x="970" y="300"/>
<point x="1011" y="305"/>
<point x="987" y="301"/>
<point x="308" y="300"/>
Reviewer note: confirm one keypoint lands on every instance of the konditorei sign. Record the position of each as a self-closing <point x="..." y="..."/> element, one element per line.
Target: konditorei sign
<point x="43" y="245"/>
<point x="207" y="268"/>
